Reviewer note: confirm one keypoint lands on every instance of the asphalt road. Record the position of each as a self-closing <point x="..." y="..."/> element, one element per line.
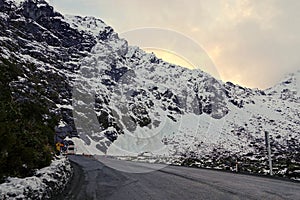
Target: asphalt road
<point x="94" y="180"/>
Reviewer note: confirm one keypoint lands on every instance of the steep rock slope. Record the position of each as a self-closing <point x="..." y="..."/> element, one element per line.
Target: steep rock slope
<point x="144" y="104"/>
<point x="123" y="101"/>
<point x="38" y="55"/>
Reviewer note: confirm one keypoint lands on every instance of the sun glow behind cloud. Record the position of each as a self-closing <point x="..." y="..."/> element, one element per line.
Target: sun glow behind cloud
<point x="251" y="42"/>
<point x="170" y="57"/>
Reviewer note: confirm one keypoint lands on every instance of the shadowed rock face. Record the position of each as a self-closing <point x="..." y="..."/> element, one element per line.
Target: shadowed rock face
<point x="31" y="30"/>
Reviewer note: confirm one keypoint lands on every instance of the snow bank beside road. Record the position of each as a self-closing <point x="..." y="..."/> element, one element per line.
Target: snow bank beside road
<point x="44" y="184"/>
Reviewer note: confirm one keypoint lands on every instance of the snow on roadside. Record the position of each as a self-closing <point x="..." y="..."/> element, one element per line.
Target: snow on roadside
<point x="43" y="185"/>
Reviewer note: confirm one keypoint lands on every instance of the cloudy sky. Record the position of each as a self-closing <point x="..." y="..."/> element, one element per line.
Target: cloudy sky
<point x="251" y="42"/>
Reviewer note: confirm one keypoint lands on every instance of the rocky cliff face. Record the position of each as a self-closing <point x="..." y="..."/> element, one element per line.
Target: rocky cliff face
<point x="123" y="101"/>
<point x="34" y="33"/>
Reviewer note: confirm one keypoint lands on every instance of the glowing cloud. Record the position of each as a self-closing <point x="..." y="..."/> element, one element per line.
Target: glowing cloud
<point x="252" y="42"/>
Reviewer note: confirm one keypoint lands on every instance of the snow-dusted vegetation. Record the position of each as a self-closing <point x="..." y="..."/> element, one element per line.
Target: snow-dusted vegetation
<point x="45" y="183"/>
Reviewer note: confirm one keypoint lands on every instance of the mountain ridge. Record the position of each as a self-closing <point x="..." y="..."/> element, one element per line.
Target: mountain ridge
<point x="122" y="101"/>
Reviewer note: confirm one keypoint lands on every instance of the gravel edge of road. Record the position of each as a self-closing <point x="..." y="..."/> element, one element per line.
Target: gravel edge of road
<point x="77" y="176"/>
<point x="245" y="173"/>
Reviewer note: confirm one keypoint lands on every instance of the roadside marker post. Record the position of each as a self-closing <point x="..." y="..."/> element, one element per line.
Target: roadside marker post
<point x="267" y="139"/>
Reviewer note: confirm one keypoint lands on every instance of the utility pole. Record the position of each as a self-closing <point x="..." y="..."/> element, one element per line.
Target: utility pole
<point x="267" y="139"/>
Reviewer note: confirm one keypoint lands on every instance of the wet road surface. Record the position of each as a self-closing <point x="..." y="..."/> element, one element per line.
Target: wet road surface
<point x="95" y="180"/>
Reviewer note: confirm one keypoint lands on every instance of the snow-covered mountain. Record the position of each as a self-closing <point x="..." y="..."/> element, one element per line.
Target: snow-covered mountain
<point x="123" y="101"/>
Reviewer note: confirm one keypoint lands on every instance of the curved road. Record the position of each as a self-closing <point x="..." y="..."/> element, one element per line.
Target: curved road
<point x="94" y="180"/>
